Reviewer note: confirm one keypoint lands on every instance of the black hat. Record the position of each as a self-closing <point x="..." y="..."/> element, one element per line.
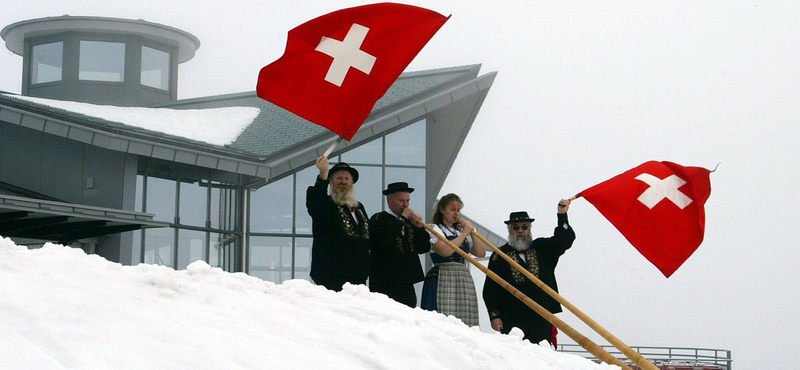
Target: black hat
<point x="520" y="216"/>
<point x="343" y="166"/>
<point x="397" y="186"/>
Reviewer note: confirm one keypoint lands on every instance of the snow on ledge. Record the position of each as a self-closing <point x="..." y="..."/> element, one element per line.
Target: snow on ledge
<point x="217" y="126"/>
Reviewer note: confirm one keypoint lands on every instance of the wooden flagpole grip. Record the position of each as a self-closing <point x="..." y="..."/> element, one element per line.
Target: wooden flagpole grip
<point x="629" y="352"/>
<point x="579" y="338"/>
<point x="333" y="145"/>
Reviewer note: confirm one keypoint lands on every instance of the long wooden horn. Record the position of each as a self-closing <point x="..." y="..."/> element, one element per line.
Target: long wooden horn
<point x="579" y="338"/>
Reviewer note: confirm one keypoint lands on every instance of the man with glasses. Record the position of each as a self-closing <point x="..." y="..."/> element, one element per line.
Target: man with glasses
<point x="539" y="257"/>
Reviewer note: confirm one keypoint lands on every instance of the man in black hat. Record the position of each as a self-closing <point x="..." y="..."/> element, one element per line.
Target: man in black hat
<point x="539" y="256"/>
<point x="339" y="225"/>
<point x="396" y="242"/>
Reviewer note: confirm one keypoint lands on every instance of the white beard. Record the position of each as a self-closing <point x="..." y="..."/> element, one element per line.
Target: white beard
<point x="519" y="245"/>
<point x="342" y="195"/>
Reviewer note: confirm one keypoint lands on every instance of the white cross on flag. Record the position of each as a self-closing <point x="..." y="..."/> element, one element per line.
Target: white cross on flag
<point x="337" y="66"/>
<point x="659" y="208"/>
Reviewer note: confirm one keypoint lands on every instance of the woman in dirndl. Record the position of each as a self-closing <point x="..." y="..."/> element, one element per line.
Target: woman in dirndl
<point x="448" y="287"/>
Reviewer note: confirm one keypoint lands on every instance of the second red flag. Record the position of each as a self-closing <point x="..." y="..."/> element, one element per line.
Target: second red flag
<point x="659" y="208"/>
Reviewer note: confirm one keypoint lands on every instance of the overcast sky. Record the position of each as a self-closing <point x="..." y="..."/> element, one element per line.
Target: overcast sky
<point x="586" y="90"/>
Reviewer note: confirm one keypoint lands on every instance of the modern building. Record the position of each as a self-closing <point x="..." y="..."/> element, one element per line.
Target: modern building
<point x="93" y="175"/>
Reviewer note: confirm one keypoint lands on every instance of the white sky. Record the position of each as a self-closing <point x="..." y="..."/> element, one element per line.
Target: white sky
<point x="586" y="90"/>
<point x="63" y="309"/>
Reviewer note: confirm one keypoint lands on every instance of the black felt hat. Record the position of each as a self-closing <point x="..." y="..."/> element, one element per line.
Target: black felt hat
<point x="397" y="186"/>
<point x="341" y="166"/>
<point x="520" y="216"/>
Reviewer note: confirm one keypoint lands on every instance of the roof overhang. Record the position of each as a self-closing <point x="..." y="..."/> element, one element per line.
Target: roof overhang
<point x="35" y="219"/>
<point x="161" y="149"/>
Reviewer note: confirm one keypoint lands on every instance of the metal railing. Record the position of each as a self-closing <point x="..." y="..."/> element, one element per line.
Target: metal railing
<point x="665" y="358"/>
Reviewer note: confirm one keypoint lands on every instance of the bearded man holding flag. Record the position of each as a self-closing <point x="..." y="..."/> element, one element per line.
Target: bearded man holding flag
<point x="539" y="257"/>
<point x="333" y="71"/>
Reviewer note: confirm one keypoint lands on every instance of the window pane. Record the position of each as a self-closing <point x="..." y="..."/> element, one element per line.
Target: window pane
<point x="370" y="153"/>
<point x="415" y="177"/>
<point x="101" y="61"/>
<point x="191" y="247"/>
<point x="271" y="207"/>
<point x="305" y="178"/>
<point x="222" y="251"/>
<point x="271" y="258"/>
<point x="223" y="206"/>
<point x="158" y="246"/>
<point x="161" y="199"/>
<point x="302" y="258"/>
<point x="369" y="189"/>
<point x="194" y="198"/>
<point x="47" y="62"/>
<point x="155" y="68"/>
<point x="407" y="146"/>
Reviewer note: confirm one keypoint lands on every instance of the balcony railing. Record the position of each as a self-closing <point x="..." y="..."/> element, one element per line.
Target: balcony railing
<point x="665" y="358"/>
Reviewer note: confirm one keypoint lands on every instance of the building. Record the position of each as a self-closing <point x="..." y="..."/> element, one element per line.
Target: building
<point x="134" y="193"/>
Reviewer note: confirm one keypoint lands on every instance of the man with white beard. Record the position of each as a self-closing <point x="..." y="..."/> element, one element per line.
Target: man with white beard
<point x="339" y="224"/>
<point x="539" y="257"/>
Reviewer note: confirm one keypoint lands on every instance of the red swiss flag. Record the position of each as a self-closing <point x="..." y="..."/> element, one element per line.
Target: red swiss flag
<point x="337" y="66"/>
<point x="659" y="208"/>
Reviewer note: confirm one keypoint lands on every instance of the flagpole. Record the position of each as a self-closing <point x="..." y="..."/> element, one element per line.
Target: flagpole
<point x="637" y="359"/>
<point x="579" y="338"/>
<point x="333" y="145"/>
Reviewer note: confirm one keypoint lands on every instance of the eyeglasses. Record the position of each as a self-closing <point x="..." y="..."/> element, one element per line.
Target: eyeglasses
<point x="517" y="227"/>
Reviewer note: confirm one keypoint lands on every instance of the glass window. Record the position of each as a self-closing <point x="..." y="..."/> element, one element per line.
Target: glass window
<point x="223" y="206"/>
<point x="155" y="68"/>
<point x="191" y="247"/>
<point x="271" y="207"/>
<point x="305" y="178"/>
<point x="47" y="62"/>
<point x="159" y="244"/>
<point x="222" y="251"/>
<point x="407" y="146"/>
<point x="415" y="177"/>
<point x="194" y="200"/>
<point x="302" y="258"/>
<point x="369" y="188"/>
<point x="271" y="258"/>
<point x="161" y="199"/>
<point x="101" y="61"/>
<point x="369" y="153"/>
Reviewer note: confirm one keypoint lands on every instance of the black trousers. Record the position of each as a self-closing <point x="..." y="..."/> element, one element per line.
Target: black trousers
<point x="335" y="283"/>
<point x="403" y="293"/>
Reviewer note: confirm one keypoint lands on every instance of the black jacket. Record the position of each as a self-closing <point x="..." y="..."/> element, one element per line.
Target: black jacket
<point x="341" y="245"/>
<point x="542" y="258"/>
<point x="396" y="245"/>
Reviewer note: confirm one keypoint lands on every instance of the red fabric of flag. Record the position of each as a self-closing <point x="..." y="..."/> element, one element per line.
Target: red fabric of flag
<point x="659" y="208"/>
<point x="338" y="65"/>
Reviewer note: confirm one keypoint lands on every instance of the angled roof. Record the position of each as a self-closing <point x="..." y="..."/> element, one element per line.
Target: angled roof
<point x="272" y="141"/>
